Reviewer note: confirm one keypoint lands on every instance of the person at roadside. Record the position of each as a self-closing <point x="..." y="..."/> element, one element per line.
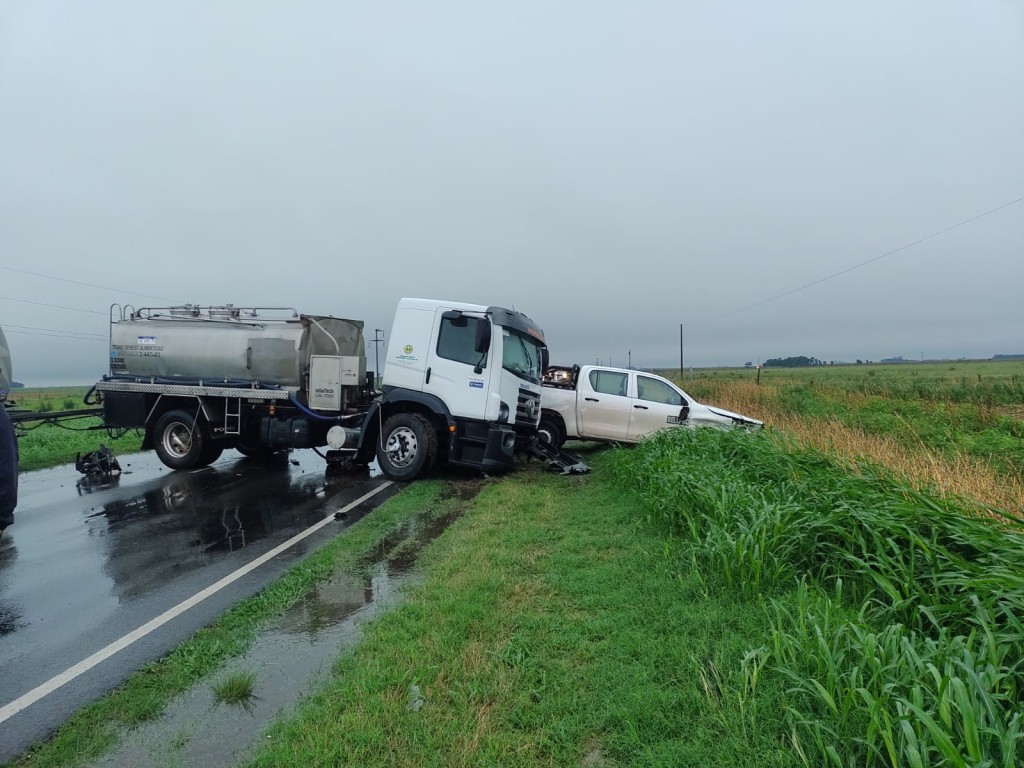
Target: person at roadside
<point x="8" y="467"/>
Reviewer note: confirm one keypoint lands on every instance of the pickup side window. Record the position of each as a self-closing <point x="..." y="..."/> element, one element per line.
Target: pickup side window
<point x="456" y="342"/>
<point x="609" y="382"/>
<point x="657" y="391"/>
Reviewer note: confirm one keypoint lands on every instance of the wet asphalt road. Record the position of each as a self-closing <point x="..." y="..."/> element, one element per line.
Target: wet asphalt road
<point x="84" y="565"/>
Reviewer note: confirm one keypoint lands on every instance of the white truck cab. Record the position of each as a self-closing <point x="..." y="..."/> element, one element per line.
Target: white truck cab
<point x="620" y="405"/>
<point x="462" y="383"/>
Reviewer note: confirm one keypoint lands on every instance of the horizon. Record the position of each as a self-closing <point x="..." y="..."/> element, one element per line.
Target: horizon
<point x="1009" y="358"/>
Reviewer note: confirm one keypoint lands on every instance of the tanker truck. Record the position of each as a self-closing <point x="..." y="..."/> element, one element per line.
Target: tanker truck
<point x="461" y="385"/>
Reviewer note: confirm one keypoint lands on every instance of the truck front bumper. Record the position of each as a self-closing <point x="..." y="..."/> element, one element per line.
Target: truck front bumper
<point x="483" y="445"/>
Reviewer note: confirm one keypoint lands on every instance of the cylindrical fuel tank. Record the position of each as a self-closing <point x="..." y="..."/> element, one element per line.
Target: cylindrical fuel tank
<point x="211" y="347"/>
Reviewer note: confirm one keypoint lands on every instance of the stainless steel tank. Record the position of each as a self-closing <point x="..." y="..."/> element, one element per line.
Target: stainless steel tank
<point x="221" y="344"/>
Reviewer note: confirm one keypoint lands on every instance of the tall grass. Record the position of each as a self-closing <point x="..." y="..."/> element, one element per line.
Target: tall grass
<point x="899" y="614"/>
<point x="953" y="454"/>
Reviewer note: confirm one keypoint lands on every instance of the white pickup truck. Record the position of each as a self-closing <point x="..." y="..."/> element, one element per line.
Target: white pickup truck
<point x="593" y="402"/>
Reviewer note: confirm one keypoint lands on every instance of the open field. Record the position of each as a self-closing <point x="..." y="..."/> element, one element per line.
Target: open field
<point x="48" y="445"/>
<point x="46" y="399"/>
<point x="987" y="383"/>
<point x="961" y="444"/>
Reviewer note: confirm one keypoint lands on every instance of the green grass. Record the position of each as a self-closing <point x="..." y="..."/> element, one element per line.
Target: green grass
<point x="237" y="689"/>
<point x="550" y="630"/>
<point x="903" y="641"/>
<point x="49" y="445"/>
<point x="974" y="409"/>
<point x="979" y="382"/>
<point x="46" y="399"/>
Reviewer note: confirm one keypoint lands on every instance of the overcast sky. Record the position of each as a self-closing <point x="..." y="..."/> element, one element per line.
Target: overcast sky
<point x="612" y="169"/>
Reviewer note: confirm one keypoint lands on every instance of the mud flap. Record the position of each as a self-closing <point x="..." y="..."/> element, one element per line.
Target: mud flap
<point x="558" y="460"/>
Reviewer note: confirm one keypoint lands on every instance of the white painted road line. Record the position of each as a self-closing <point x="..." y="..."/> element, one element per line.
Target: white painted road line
<point x="23" y="702"/>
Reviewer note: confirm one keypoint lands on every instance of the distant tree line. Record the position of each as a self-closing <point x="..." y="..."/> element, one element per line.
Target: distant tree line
<point x="793" y="362"/>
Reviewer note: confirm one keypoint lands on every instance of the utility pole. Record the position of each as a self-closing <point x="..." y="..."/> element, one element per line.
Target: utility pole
<point x="680" y="351"/>
<point x="376" y="344"/>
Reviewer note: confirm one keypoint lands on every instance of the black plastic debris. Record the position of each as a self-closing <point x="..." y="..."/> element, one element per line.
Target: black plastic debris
<point x="97" y="463"/>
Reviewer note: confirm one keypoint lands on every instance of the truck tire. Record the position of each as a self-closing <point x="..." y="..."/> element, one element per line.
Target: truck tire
<point x="550" y="431"/>
<point x="407" y="446"/>
<point x="211" y="452"/>
<point x="179" y="440"/>
<point x="253" y="448"/>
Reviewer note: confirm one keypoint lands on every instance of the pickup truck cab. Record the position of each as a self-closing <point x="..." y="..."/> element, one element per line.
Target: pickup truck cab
<point x="594" y="402"/>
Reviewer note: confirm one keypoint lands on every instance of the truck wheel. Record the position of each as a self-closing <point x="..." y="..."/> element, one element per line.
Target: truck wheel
<point x="550" y="431"/>
<point x="408" y="446"/>
<point x="253" y="448"/>
<point x="179" y="440"/>
<point x="212" y="452"/>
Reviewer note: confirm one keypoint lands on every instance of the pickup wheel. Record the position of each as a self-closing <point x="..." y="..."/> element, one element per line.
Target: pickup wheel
<point x="550" y="431"/>
<point x="407" y="446"/>
<point x="179" y="440"/>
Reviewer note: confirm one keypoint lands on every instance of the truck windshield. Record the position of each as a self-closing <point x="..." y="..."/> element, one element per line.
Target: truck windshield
<point x="521" y="355"/>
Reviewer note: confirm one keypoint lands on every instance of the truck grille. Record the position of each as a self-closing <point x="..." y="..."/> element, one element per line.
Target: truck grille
<point x="527" y="408"/>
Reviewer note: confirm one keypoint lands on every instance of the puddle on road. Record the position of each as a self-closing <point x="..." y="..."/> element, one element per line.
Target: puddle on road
<point x="289" y="658"/>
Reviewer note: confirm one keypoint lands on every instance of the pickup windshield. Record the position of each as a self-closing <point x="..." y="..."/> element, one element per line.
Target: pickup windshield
<point x="521" y="355"/>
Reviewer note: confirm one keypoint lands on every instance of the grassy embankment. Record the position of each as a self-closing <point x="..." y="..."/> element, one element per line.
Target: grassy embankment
<point x="959" y="427"/>
<point x="706" y="599"/>
<point x="49" y="445"/>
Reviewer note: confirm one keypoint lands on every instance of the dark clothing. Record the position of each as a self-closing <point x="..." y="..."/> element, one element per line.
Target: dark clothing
<point x="8" y="469"/>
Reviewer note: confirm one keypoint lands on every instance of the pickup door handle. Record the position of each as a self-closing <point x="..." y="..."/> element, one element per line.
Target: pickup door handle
<point x="591" y="399"/>
<point x="641" y="407"/>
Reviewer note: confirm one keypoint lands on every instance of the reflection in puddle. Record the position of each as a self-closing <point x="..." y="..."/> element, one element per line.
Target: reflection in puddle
<point x="186" y="520"/>
<point x="287" y="660"/>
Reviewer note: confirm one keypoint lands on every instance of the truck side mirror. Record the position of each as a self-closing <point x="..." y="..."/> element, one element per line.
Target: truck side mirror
<point x="455" y="317"/>
<point x="545" y="359"/>
<point x="482" y="342"/>
<point x="684" y="413"/>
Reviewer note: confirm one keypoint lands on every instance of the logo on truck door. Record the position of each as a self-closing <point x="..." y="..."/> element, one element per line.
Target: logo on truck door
<point x="406" y="357"/>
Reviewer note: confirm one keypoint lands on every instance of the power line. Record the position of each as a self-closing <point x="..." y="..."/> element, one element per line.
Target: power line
<point x="55" y="306"/>
<point x="88" y="285"/>
<point x="60" y="336"/>
<point x="78" y="334"/>
<point x="869" y="261"/>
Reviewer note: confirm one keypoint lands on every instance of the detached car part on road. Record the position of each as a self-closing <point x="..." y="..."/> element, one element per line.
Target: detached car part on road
<point x="620" y="405"/>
